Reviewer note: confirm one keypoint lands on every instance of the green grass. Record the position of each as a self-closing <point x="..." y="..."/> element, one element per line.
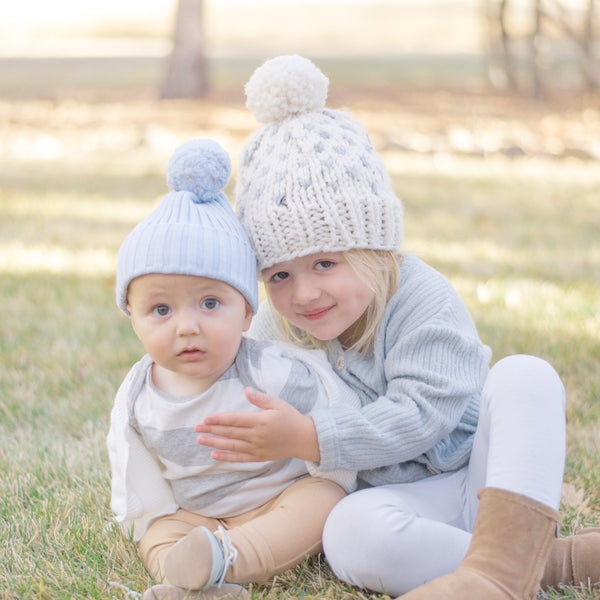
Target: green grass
<point x="520" y="241"/>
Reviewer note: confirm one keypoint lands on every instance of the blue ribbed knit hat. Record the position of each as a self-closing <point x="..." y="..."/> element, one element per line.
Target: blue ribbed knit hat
<point x="194" y="230"/>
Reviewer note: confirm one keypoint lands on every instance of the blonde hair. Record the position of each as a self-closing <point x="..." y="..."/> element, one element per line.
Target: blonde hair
<point x="380" y="270"/>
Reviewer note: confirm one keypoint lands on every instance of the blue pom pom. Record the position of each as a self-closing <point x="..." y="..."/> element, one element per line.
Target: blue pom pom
<point x="201" y="167"/>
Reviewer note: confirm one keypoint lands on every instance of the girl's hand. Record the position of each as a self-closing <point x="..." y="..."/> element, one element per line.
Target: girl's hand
<point x="277" y="431"/>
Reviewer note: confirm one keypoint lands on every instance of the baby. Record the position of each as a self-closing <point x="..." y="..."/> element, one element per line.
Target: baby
<point x="186" y="277"/>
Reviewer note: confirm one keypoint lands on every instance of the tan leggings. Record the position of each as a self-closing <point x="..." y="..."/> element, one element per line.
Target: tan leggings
<point x="269" y="539"/>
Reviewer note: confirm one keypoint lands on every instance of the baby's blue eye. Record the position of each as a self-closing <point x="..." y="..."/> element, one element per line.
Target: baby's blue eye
<point x="210" y="304"/>
<point x="162" y="310"/>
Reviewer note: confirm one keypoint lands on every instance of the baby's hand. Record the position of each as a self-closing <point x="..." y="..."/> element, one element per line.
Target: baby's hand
<point x="277" y="431"/>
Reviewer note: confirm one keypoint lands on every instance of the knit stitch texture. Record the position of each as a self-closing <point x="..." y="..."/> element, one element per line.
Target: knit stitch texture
<point x="194" y="230"/>
<point x="310" y="180"/>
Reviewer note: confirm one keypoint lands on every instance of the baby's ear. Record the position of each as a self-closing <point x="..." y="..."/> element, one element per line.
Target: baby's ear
<point x="132" y="321"/>
<point x="247" y="317"/>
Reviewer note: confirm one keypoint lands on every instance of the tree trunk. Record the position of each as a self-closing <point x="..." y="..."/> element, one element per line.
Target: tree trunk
<point x="509" y="66"/>
<point x="186" y="71"/>
<point x="536" y="61"/>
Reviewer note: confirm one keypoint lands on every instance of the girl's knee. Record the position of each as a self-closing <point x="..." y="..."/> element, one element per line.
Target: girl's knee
<point x="350" y="509"/>
<point x="529" y="376"/>
<point x="344" y="539"/>
<point x="527" y="364"/>
<point x="524" y="366"/>
<point x="362" y="523"/>
<point x="337" y="521"/>
<point x="362" y="537"/>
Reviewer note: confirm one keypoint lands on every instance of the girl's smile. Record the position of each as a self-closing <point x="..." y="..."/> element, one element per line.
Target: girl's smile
<point x="314" y="315"/>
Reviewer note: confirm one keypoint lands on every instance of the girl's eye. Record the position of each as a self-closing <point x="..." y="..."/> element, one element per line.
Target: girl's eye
<point x="162" y="310"/>
<point x="280" y="276"/>
<point x="323" y="265"/>
<point x="210" y="304"/>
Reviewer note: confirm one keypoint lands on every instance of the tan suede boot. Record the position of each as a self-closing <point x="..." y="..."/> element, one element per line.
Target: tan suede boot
<point x="574" y="560"/>
<point x="508" y="552"/>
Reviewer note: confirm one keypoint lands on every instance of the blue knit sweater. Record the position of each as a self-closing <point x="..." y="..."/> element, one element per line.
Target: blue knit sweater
<point x="419" y="387"/>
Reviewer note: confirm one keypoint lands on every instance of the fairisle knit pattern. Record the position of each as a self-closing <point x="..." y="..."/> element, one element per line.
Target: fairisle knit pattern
<point x="310" y="180"/>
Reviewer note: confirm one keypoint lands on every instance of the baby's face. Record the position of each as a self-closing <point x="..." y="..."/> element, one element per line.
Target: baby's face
<point x="191" y="327"/>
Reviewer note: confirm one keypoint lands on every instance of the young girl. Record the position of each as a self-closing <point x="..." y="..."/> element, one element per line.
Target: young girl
<point x="461" y="467"/>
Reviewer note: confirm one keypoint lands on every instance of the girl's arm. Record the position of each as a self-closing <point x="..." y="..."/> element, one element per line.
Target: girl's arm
<point x="293" y="383"/>
<point x="424" y="402"/>
<point x="429" y="366"/>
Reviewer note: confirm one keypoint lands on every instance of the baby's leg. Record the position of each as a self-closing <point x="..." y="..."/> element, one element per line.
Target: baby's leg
<point x="251" y="547"/>
<point x="164" y="533"/>
<point x="283" y="532"/>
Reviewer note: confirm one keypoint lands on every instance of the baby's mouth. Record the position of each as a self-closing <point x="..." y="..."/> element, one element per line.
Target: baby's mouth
<point x="191" y="352"/>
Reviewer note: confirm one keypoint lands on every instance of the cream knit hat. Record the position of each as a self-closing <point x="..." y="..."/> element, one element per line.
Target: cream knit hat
<point x="310" y="180"/>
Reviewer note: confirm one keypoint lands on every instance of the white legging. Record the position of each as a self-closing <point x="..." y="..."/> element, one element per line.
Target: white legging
<point x="394" y="538"/>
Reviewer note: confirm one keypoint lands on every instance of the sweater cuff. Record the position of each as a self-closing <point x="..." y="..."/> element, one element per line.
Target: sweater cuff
<point x="324" y="421"/>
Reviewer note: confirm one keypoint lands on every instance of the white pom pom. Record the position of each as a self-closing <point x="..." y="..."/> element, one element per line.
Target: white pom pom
<point x="285" y="86"/>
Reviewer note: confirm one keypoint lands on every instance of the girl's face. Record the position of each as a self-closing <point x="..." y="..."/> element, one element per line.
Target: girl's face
<point x="319" y="293"/>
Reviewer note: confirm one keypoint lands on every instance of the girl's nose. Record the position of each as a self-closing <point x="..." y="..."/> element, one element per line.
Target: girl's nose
<point x="305" y="291"/>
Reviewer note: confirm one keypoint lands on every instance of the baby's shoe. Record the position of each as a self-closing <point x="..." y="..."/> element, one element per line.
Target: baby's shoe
<point x="200" y="560"/>
<point x="163" y="591"/>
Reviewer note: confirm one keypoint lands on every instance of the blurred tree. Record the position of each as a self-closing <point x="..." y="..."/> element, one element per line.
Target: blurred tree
<point x="525" y="37"/>
<point x="187" y="75"/>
